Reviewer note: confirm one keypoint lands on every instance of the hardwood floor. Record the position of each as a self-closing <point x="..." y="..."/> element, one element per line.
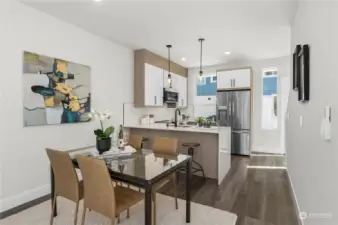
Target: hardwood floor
<point x="257" y="196"/>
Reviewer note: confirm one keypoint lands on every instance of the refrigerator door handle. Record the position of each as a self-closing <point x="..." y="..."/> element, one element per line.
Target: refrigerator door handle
<point x="233" y="108"/>
<point x="241" y="131"/>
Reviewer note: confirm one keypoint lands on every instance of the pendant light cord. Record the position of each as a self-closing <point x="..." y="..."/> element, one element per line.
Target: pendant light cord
<point x="201" y="55"/>
<point x="169" y="60"/>
<point x="169" y="75"/>
<point x="169" y="46"/>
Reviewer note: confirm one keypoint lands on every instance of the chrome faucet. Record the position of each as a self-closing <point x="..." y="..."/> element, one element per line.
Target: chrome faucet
<point x="179" y="113"/>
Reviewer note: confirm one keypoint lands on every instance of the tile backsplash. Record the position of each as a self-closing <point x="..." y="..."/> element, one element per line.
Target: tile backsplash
<point x="132" y="115"/>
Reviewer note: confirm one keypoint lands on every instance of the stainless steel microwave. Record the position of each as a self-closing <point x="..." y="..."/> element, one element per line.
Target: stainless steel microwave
<point x="170" y="95"/>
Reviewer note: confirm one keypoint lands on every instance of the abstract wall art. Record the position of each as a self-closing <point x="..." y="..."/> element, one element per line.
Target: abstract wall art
<point x="55" y="91"/>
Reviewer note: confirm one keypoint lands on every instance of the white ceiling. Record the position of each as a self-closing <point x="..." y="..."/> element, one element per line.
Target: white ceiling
<point x="250" y="30"/>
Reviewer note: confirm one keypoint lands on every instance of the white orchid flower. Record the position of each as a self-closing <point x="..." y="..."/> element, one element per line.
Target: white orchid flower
<point x="102" y="117"/>
<point x="93" y="110"/>
<point x="96" y="116"/>
<point x="90" y="115"/>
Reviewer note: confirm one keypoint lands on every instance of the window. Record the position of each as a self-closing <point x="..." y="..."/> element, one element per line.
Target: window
<point x="269" y="99"/>
<point x="207" y="85"/>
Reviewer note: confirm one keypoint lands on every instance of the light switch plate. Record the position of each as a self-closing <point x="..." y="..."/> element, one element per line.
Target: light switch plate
<point x="301" y="121"/>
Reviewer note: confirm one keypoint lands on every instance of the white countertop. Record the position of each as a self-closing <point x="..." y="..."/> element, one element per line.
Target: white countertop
<point x="161" y="126"/>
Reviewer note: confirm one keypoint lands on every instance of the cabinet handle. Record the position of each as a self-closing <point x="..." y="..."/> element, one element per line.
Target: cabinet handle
<point x="182" y="102"/>
<point x="234" y="83"/>
<point x="231" y="83"/>
<point x="155" y="100"/>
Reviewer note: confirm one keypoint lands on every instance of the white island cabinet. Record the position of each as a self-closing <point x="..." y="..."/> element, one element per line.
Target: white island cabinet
<point x="213" y="153"/>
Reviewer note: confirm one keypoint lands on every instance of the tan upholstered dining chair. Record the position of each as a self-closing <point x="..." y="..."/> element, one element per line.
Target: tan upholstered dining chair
<point x="135" y="141"/>
<point x="166" y="146"/>
<point x="100" y="194"/>
<point x="66" y="181"/>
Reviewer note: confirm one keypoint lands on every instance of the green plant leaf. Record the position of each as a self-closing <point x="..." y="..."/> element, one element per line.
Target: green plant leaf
<point x="109" y="131"/>
<point x="98" y="132"/>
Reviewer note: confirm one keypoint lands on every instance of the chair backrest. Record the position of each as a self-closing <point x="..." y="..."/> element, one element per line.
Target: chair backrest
<point x="135" y="141"/>
<point x="165" y="145"/>
<point x="99" y="193"/>
<point x="65" y="178"/>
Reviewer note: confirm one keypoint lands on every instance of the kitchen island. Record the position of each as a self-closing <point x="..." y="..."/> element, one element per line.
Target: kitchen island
<point x="214" y="150"/>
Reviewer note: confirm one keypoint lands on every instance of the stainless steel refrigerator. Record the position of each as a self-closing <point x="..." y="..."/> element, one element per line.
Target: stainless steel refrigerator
<point x="234" y="110"/>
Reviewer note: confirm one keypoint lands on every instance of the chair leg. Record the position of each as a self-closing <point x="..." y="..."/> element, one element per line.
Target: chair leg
<point x="112" y="221"/>
<point x="53" y="208"/>
<point x="128" y="213"/>
<point x="84" y="215"/>
<point x="118" y="218"/>
<point x="76" y="212"/>
<point x="175" y="192"/>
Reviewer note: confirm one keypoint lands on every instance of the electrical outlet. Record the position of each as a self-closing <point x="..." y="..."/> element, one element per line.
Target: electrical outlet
<point x="301" y="121"/>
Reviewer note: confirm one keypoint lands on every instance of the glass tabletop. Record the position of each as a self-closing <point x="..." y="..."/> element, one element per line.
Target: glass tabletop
<point x="145" y="164"/>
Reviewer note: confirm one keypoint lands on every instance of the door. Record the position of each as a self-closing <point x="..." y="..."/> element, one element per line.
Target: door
<point x="223" y="108"/>
<point x="241" y="110"/>
<point x="240" y="142"/>
<point x="153" y="85"/>
<point x="242" y="78"/>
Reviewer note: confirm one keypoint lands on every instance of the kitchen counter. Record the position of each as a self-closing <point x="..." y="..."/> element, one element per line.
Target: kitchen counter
<point x="214" y="152"/>
<point x="159" y="126"/>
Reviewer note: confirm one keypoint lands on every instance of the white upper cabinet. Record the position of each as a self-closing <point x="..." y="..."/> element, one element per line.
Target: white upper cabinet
<point x="224" y="80"/>
<point x="153" y="85"/>
<point x="182" y="91"/>
<point x="230" y="79"/>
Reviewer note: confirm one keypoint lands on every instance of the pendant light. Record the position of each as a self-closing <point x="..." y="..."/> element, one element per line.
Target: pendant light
<point x="201" y="69"/>
<point x="169" y="68"/>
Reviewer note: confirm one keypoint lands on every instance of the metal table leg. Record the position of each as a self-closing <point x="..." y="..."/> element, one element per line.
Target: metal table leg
<point x="147" y="205"/>
<point x="187" y="190"/>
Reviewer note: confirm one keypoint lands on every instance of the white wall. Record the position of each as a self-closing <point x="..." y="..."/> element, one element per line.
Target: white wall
<point x="313" y="162"/>
<point x="24" y="165"/>
<point x="268" y="141"/>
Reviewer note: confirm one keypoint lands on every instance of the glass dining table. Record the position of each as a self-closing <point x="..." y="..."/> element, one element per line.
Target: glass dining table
<point x="142" y="169"/>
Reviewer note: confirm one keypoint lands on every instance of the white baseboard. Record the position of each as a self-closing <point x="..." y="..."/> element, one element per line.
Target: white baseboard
<point x="261" y="149"/>
<point x="294" y="197"/>
<point x="27" y="196"/>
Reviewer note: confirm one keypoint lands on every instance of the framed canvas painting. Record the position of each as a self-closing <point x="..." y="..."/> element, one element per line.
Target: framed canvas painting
<point x="55" y="91"/>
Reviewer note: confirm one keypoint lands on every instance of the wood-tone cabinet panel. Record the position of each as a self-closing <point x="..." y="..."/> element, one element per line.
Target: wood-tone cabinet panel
<point x="147" y="64"/>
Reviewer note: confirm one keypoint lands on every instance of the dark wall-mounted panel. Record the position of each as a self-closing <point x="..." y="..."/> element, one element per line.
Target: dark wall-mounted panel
<point x="304" y="74"/>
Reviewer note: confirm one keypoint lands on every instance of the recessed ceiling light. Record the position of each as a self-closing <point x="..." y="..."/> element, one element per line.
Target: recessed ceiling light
<point x="183" y="59"/>
<point x="227" y="53"/>
<point x="97" y="0"/>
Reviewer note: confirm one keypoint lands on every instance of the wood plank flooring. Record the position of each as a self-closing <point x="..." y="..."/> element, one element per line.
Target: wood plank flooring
<point x="257" y="196"/>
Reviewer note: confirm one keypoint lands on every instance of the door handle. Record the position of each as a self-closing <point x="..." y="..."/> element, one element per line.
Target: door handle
<point x="233" y="108"/>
